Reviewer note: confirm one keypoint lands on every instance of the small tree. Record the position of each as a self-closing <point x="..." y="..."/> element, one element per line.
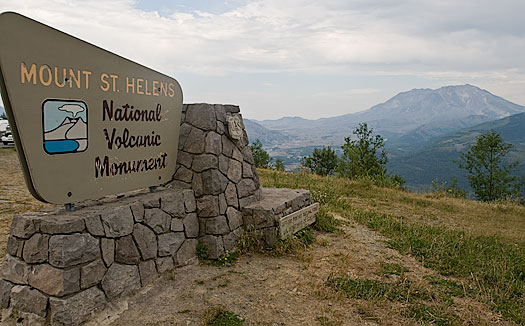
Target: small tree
<point x="488" y="176"/>
<point x="365" y="156"/>
<point x="322" y="162"/>
<point x="3" y="116"/>
<point x="260" y="156"/>
<point x="279" y="165"/>
<point x="397" y="181"/>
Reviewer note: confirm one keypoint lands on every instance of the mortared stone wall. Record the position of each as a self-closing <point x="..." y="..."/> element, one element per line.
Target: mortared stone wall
<point x="61" y="267"/>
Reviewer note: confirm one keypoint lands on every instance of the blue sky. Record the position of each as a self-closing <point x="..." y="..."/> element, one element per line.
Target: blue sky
<point x="308" y="58"/>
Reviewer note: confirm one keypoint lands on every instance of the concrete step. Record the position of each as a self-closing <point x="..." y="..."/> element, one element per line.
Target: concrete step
<point x="280" y="213"/>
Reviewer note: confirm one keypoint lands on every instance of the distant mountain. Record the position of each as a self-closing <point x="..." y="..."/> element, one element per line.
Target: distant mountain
<point x="266" y="136"/>
<point x="408" y="121"/>
<point x="421" y="107"/>
<point x="426" y="113"/>
<point x="408" y="118"/>
<point x="438" y="159"/>
<point x="283" y="123"/>
<point x="406" y="112"/>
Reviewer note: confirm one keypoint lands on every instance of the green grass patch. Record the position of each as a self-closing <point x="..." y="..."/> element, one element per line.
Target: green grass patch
<point x="219" y="316"/>
<point x="419" y="202"/>
<point x="253" y="241"/>
<point x="325" y="321"/>
<point x="326" y="222"/>
<point x="7" y="150"/>
<point x="424" y="305"/>
<point x="432" y="315"/>
<point x="496" y="268"/>
<point x="448" y="287"/>
<point x="298" y="241"/>
<point x="401" y="291"/>
<point x="250" y="241"/>
<point x="229" y="257"/>
<point x="202" y="252"/>
<point x="393" y="269"/>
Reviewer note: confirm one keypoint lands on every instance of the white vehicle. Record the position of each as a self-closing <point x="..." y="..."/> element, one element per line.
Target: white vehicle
<point x="4" y="125"/>
<point x="7" y="139"/>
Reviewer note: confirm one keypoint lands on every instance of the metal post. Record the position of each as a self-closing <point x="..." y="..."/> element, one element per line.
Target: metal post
<point x="69" y="207"/>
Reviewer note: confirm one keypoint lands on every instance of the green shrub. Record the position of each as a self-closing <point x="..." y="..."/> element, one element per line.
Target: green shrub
<point x="202" y="251"/>
<point x="219" y="316"/>
<point x="325" y="221"/>
<point x="295" y="242"/>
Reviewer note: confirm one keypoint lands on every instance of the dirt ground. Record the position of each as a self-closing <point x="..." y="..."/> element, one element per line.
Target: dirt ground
<point x="287" y="290"/>
<point x="260" y="288"/>
<point x="14" y="196"/>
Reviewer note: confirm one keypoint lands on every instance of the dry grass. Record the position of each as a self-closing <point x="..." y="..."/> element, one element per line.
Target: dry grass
<point x="14" y="196"/>
<point x="505" y="219"/>
<point x="480" y="245"/>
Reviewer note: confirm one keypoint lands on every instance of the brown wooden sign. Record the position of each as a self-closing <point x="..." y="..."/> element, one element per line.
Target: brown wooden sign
<point x="86" y="122"/>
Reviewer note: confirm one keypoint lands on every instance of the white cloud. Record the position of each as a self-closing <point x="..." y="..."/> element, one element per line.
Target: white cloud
<point x="295" y="35"/>
<point x="310" y="37"/>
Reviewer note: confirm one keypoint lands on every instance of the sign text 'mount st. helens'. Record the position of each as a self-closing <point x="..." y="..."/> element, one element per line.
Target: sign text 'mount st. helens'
<point x="86" y="122"/>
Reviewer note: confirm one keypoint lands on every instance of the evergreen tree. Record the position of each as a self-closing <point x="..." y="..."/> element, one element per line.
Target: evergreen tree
<point x="260" y="156"/>
<point x="488" y="176"/>
<point x="322" y="162"/>
<point x="365" y="156"/>
<point x="279" y="165"/>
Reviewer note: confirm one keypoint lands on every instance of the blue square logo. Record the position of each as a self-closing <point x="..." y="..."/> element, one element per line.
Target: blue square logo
<point x="65" y="126"/>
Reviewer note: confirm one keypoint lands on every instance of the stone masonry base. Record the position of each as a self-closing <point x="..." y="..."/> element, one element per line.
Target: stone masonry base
<point x="63" y="266"/>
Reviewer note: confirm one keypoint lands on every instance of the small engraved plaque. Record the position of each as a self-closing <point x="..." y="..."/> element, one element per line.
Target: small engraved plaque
<point x="297" y="221"/>
<point x="235" y="126"/>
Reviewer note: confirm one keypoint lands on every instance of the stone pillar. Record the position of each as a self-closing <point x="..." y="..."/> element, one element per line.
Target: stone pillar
<point x="214" y="160"/>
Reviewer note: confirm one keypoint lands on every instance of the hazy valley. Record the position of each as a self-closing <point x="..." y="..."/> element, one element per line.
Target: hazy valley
<point x="424" y="130"/>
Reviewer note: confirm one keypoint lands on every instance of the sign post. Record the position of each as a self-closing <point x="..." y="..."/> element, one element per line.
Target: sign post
<point x="86" y="122"/>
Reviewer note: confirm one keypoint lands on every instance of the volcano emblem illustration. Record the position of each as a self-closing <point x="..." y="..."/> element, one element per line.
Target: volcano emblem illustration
<point x="65" y="126"/>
